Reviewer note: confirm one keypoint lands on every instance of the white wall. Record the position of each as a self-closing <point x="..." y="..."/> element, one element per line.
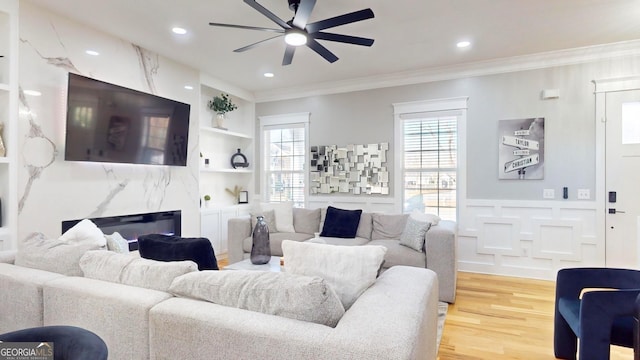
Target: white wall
<point x="52" y="190"/>
<point x="505" y="227"/>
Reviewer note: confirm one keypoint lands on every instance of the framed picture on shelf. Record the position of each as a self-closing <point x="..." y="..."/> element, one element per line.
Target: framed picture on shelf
<point x="243" y="197"/>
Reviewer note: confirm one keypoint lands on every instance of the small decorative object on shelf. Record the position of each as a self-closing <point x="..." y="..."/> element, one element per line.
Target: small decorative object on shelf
<point x="206" y="163"/>
<point x="261" y="249"/>
<point x="207" y="200"/>
<point x="243" y="197"/>
<point x="235" y="192"/>
<point x="221" y="105"/>
<point x="239" y="160"/>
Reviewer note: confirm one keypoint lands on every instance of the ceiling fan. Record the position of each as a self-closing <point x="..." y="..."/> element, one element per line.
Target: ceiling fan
<point x="298" y="31"/>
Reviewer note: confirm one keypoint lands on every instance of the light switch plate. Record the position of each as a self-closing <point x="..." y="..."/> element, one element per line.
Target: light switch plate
<point x="548" y="194"/>
<point x="584" y="194"/>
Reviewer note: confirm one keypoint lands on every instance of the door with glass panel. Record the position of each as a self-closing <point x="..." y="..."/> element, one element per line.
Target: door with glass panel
<point x="622" y="210"/>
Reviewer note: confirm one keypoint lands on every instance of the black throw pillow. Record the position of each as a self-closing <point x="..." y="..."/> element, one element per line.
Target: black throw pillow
<point x="341" y="223"/>
<point x="175" y="248"/>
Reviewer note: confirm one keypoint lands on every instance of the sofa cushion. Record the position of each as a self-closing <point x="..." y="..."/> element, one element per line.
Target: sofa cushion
<point x="400" y="255"/>
<point x="269" y="217"/>
<point x="130" y="270"/>
<point x="116" y="243"/>
<point x="341" y="223"/>
<point x="356" y="241"/>
<point x="306" y="221"/>
<point x="413" y="234"/>
<point x="350" y="270"/>
<point x="293" y="296"/>
<point x="38" y="252"/>
<point x="275" y="241"/>
<point x="284" y="215"/>
<point x="386" y="226"/>
<point x="83" y="232"/>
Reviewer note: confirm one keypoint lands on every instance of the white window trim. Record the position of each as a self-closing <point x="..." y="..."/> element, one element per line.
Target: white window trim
<point x="283" y="119"/>
<point x="457" y="103"/>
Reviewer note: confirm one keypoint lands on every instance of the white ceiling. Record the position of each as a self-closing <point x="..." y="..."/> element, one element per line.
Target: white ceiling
<point x="410" y="35"/>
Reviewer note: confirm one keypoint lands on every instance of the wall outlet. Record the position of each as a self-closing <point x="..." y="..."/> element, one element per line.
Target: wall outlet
<point x="584" y="194"/>
<point x="548" y="193"/>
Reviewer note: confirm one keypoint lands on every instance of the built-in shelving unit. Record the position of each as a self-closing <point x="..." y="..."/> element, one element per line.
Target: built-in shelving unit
<point x="218" y="146"/>
<point x="9" y="119"/>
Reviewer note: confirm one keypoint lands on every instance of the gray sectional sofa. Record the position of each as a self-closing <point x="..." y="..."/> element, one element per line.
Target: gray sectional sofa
<point x="438" y="254"/>
<point x="395" y="318"/>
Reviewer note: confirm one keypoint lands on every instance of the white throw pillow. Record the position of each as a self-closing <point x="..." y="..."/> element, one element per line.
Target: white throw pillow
<point x="350" y="270"/>
<point x="430" y="218"/>
<point x="116" y="243"/>
<point x="284" y="215"/>
<point x="82" y="232"/>
<point x="413" y="234"/>
<point x="293" y="296"/>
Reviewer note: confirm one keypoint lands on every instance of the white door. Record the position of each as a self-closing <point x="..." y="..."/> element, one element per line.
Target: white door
<point x="622" y="209"/>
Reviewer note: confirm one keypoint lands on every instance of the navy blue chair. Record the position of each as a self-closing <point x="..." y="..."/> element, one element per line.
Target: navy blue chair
<point x="598" y="318"/>
<point x="69" y="342"/>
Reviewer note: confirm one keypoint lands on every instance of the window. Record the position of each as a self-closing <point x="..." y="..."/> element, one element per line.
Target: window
<point x="284" y="139"/>
<point x="428" y="156"/>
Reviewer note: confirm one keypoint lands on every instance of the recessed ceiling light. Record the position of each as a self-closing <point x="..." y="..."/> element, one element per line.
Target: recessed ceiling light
<point x="268" y="74"/>
<point x="179" y="30"/>
<point x="188" y="87"/>
<point x="32" y="92"/>
<point x="463" y="44"/>
<point x="92" y="52"/>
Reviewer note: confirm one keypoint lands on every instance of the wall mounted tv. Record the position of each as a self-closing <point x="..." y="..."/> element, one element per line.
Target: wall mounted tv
<point x="110" y="123"/>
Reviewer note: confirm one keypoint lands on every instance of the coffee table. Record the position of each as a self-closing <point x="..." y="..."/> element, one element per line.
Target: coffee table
<point x="273" y="265"/>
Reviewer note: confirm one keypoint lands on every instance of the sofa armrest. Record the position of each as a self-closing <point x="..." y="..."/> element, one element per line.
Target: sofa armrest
<point x="403" y="299"/>
<point x="8" y="256"/>
<point x="238" y="229"/>
<point x="440" y="246"/>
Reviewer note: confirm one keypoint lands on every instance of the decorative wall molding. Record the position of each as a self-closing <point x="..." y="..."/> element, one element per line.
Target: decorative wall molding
<point x="450" y="72"/>
<point x="531" y="239"/>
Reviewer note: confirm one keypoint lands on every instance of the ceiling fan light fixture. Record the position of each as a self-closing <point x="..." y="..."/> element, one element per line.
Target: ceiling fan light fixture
<point x="295" y="37"/>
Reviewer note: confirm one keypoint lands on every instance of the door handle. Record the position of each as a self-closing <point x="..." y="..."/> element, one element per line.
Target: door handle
<point x="614" y="211"/>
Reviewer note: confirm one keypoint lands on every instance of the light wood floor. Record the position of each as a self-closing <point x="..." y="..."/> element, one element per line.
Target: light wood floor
<point x="498" y="317"/>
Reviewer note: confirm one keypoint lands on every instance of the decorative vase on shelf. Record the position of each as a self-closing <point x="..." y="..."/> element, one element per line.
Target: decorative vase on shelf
<point x="261" y="249"/>
<point x="220" y="117"/>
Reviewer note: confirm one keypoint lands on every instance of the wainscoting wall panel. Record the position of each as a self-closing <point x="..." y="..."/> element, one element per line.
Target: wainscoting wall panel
<point x="529" y="239"/>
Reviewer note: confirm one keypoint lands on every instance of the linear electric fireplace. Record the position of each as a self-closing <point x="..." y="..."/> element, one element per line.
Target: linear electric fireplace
<point x="133" y="226"/>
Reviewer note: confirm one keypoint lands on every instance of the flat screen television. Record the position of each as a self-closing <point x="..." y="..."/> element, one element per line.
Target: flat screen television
<point x="111" y="123"/>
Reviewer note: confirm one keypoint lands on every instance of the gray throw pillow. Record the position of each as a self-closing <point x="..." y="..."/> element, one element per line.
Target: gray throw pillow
<point x="414" y="233"/>
<point x="293" y="296"/>
<point x="306" y="221"/>
<point x="269" y="218"/>
<point x="38" y="252"/>
<point x="388" y="226"/>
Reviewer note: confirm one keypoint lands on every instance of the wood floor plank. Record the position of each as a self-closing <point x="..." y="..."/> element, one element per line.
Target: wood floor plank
<point x="500" y="317"/>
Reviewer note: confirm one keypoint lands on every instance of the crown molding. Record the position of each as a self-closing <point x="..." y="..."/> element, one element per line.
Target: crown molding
<point x="489" y="67"/>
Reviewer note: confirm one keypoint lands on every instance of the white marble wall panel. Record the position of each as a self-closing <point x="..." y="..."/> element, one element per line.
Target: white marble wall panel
<point x="528" y="239"/>
<point x="51" y="189"/>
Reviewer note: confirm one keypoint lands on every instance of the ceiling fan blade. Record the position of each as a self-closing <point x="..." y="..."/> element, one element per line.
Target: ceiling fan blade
<point x="288" y="55"/>
<point x="249" y="47"/>
<point x="246" y="27"/>
<point x="262" y="10"/>
<point x="340" y="20"/>
<point x="302" y="14"/>
<point x="342" y="38"/>
<point x="322" y="51"/>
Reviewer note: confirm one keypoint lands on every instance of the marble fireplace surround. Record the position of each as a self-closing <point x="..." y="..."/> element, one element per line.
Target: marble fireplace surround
<point x="132" y="226"/>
